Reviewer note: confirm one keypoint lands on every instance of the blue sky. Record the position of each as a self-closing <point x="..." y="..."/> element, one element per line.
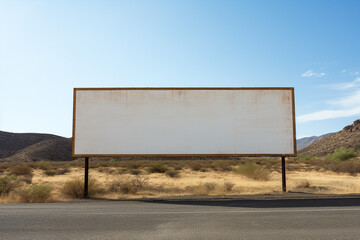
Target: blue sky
<point x="49" y="47"/>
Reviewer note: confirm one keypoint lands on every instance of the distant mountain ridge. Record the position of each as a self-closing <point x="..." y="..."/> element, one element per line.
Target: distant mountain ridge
<point x="34" y="147"/>
<point x="306" y="141"/>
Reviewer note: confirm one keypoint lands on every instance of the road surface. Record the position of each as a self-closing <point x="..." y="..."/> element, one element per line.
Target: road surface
<point x="168" y="219"/>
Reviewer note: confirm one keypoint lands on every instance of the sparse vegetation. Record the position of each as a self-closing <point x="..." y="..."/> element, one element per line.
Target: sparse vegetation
<point x="36" y="194"/>
<point x="253" y="171"/>
<point x="21" y="170"/>
<point x="53" y="172"/>
<point x="122" y="179"/>
<point x="303" y="184"/>
<point x="139" y="181"/>
<point x="123" y="187"/>
<point x="173" y="173"/>
<point x="342" y="154"/>
<point x="228" y="186"/>
<point x="8" y="184"/>
<point x="75" y="188"/>
<point x="158" y="168"/>
<point x="195" y="166"/>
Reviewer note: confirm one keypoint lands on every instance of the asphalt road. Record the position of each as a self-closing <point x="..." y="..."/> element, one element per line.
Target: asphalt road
<point x="202" y="219"/>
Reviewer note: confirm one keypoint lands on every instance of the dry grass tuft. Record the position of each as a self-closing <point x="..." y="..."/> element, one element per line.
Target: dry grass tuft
<point x="122" y="187"/>
<point x="21" y="170"/>
<point x="253" y="171"/>
<point x="54" y="172"/>
<point x="75" y="188"/>
<point x="303" y="184"/>
<point x="36" y="194"/>
<point x="228" y="186"/>
<point x="173" y="174"/>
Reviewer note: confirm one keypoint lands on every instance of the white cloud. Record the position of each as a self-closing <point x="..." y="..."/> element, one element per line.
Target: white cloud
<point x="342" y="107"/>
<point x="346" y="85"/>
<point x="311" y="73"/>
<point x="329" y="114"/>
<point x="343" y="71"/>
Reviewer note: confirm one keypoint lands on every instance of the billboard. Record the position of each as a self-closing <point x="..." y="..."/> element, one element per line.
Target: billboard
<point x="184" y="122"/>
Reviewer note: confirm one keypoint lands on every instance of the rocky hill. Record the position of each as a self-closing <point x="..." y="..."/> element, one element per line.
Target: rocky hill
<point x="349" y="137"/>
<point x="306" y="141"/>
<point x="34" y="147"/>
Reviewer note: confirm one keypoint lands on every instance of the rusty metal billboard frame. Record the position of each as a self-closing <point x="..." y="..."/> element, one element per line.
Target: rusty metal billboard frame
<point x="185" y="155"/>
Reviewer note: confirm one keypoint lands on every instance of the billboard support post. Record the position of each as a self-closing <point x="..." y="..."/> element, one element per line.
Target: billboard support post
<point x="283" y="173"/>
<point x="86" y="180"/>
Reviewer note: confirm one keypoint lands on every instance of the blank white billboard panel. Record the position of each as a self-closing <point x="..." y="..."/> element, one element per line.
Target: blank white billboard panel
<point x="179" y="121"/>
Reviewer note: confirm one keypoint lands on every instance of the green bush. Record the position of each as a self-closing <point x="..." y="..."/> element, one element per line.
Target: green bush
<point x="342" y="154"/>
<point x="75" y="188"/>
<point x="36" y="194"/>
<point x="8" y="184"/>
<point x="253" y="171"/>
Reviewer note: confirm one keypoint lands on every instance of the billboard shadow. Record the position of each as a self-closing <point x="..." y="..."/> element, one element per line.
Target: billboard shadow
<point x="278" y="203"/>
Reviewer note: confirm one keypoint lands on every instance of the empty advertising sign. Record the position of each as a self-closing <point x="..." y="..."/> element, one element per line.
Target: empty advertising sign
<point x="184" y="122"/>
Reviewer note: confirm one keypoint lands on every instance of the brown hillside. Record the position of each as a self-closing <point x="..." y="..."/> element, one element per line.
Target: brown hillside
<point x="10" y="143"/>
<point x="349" y="137"/>
<point x="58" y="149"/>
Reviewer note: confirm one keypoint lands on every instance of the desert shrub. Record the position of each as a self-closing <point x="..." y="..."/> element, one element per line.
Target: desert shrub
<point x="195" y="166"/>
<point x="202" y="188"/>
<point x="139" y="181"/>
<point x="178" y="167"/>
<point x="50" y="172"/>
<point x="223" y="165"/>
<point x="26" y="178"/>
<point x="123" y="187"/>
<point x="303" y="184"/>
<point x="158" y="168"/>
<point x="134" y="165"/>
<point x="210" y="186"/>
<point x="135" y="171"/>
<point x="253" y="171"/>
<point x="21" y="169"/>
<point x="342" y="154"/>
<point x="36" y="194"/>
<point x="43" y="165"/>
<point x="228" y="186"/>
<point x="4" y="167"/>
<point x="53" y="172"/>
<point x="75" y="188"/>
<point x="103" y="164"/>
<point x="350" y="167"/>
<point x="62" y="171"/>
<point x="8" y="184"/>
<point x="173" y="173"/>
<point x="107" y="170"/>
